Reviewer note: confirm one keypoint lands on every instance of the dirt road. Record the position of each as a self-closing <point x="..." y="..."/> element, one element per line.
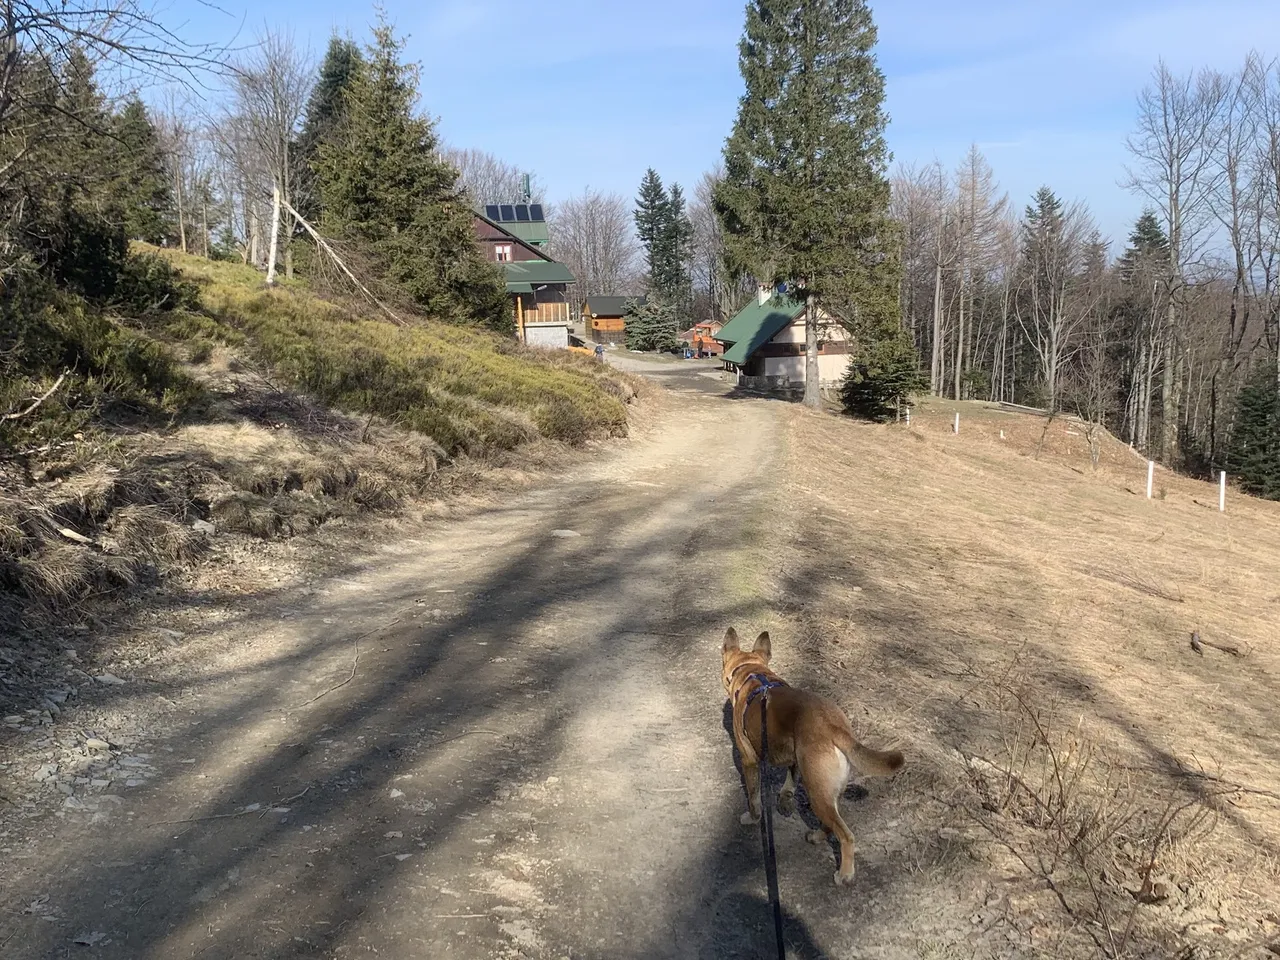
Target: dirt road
<point x="503" y="739"/>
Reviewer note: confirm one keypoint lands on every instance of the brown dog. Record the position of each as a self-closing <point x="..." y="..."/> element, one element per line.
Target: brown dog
<point x="808" y="734"/>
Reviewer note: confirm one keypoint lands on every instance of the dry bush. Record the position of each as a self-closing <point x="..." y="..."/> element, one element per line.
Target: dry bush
<point x="1104" y="838"/>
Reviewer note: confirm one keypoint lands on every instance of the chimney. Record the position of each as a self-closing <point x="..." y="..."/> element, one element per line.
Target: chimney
<point x="763" y="293"/>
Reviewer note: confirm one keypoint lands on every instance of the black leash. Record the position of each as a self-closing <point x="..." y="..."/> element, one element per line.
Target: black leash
<point x="766" y="825"/>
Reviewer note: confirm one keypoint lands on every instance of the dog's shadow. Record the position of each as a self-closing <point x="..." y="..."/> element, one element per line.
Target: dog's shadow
<point x="773" y="778"/>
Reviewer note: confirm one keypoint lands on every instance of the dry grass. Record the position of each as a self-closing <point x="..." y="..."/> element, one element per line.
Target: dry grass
<point x="293" y="411"/>
<point x="98" y="531"/>
<point x="925" y="563"/>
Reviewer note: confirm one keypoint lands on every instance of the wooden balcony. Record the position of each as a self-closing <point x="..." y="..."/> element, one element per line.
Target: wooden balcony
<point x="547" y="313"/>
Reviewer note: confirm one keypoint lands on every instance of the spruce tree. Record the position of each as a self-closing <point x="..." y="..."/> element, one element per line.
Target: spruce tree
<point x="1148" y="247"/>
<point x="73" y="220"/>
<point x="674" y="281"/>
<point x="885" y="375"/>
<point x="652" y="218"/>
<point x="141" y="183"/>
<point x="652" y="325"/>
<point x="1254" y="455"/>
<point x="325" y="110"/>
<point x="805" y="196"/>
<point x="383" y="187"/>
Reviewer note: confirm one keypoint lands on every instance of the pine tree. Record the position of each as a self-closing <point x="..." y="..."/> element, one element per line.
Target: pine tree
<point x="805" y="196"/>
<point x="325" y="111"/>
<point x="72" y="221"/>
<point x="673" y="280"/>
<point x="141" y="183"/>
<point x="1254" y="455"/>
<point x="886" y="373"/>
<point x="652" y="218"/>
<point x="1148" y="247"/>
<point x="652" y="325"/>
<point x="383" y="186"/>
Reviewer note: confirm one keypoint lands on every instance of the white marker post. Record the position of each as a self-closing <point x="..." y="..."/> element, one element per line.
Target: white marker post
<point x="956" y="428"/>
<point x="1222" y="493"/>
<point x="1151" y="476"/>
<point x="908" y="416"/>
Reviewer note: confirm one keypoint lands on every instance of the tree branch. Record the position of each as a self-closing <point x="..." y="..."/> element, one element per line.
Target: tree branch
<point x="18" y="415"/>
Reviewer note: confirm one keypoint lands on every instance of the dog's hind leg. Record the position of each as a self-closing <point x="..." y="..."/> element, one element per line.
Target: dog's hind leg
<point x="825" y="776"/>
<point x="751" y="779"/>
<point x="787" y="796"/>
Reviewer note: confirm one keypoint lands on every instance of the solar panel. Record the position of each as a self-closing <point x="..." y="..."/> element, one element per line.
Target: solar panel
<point x="491" y="211"/>
<point x="535" y="212"/>
<point x="508" y="214"/>
<point x="522" y="212"/>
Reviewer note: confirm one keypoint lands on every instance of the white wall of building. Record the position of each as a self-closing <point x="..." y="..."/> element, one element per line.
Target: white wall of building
<point x="828" y="330"/>
<point x="830" y="367"/>
<point x="546" y="335"/>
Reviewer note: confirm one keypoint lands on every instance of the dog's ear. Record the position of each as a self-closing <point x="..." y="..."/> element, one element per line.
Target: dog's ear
<point x="731" y="640"/>
<point x="763" y="647"/>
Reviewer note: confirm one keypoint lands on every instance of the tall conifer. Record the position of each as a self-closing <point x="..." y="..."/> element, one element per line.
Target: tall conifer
<point x="805" y="196"/>
<point x="384" y="187"/>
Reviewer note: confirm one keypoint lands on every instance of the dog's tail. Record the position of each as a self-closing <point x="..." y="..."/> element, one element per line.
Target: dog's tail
<point x="872" y="763"/>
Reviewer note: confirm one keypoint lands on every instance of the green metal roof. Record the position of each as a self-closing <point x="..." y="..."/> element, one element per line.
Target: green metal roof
<point x="533" y="233"/>
<point x="519" y="288"/>
<point x="755" y="325"/>
<point x="536" y="272"/>
<point x="610" y="306"/>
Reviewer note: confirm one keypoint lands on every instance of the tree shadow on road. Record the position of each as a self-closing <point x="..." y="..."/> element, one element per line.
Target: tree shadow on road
<point x="310" y="805"/>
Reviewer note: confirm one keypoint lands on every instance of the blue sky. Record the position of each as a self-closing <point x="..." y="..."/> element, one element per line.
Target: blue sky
<point x="592" y="93"/>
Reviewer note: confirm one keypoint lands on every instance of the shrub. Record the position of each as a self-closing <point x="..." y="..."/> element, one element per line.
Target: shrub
<point x="148" y="283"/>
<point x="104" y="365"/>
<point x="884" y="374"/>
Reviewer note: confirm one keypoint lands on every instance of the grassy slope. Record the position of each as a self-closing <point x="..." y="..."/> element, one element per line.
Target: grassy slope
<point x="470" y="391"/>
<point x="953" y="587"/>
<point x="265" y="411"/>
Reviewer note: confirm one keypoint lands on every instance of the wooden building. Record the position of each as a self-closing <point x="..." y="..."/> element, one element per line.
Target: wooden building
<point x="604" y="318"/>
<point x="701" y="338"/>
<point x="537" y="284"/>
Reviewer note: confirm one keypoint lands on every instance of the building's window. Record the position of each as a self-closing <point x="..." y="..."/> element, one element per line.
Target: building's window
<point x="503" y="251"/>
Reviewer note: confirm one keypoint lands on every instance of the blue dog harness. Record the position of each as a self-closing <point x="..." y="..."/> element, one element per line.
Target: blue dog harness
<point x="765" y="686"/>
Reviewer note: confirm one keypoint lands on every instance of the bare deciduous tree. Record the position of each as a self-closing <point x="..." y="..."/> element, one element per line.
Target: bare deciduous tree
<point x="1004" y="349"/>
<point x="271" y="88"/>
<point x="944" y="255"/>
<point x="979" y="213"/>
<point x="591" y="234"/>
<point x="1174" y="148"/>
<point x="177" y="139"/>
<point x="1266" y="81"/>
<point x="712" y="277"/>
<point x="239" y="180"/>
<point x="1238" y="202"/>
<point x="1054" y="303"/>
<point x="489" y="179"/>
<point x="912" y="206"/>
